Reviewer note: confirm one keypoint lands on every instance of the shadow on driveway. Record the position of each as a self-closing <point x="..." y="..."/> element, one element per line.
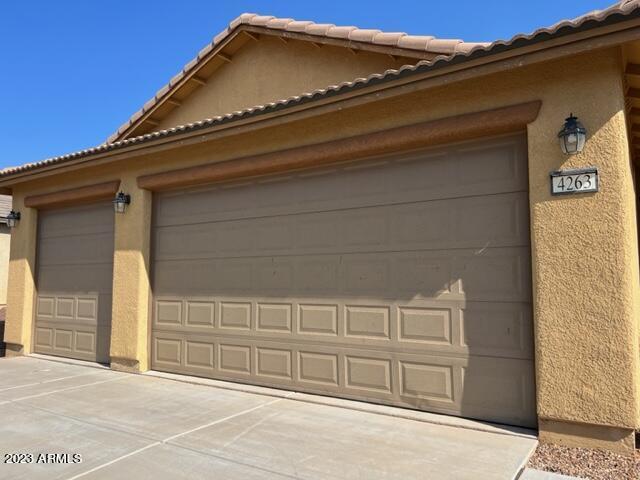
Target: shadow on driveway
<point x="139" y="426"/>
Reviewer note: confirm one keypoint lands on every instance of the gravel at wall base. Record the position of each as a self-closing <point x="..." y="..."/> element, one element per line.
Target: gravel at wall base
<point x="585" y="463"/>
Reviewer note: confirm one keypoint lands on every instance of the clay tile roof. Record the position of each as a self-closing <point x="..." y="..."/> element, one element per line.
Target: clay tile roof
<point x="454" y="52"/>
<point x="374" y="37"/>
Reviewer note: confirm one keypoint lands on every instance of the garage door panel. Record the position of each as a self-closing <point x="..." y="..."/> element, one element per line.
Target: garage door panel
<point x="76" y="221"/>
<point x="423" y="381"/>
<point x="446" y="173"/>
<point x="76" y="250"/>
<point x="486" y="222"/>
<point x="87" y="278"/>
<point x="455" y="327"/>
<point x="461" y="274"/>
<point x="74" y="281"/>
<point x="403" y="281"/>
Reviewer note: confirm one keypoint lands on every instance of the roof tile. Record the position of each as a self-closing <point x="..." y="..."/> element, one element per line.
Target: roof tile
<point x="191" y="64"/>
<point x="279" y="23"/>
<point x="260" y="20"/>
<point x="176" y="78"/>
<point x="220" y="37"/>
<point x="388" y="38"/>
<point x="298" y="25"/>
<point x="446" y="47"/>
<point x="245" y="18"/>
<point x="320" y="29"/>
<point x="207" y="48"/>
<point x="364" y="34"/>
<point x="414" y="42"/>
<point x="340" y="32"/>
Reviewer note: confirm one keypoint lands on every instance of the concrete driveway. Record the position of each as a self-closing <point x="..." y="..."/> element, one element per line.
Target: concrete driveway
<point x="155" y="427"/>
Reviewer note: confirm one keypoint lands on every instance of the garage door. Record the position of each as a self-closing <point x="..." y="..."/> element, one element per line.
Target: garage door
<point x="403" y="281"/>
<point x="75" y="271"/>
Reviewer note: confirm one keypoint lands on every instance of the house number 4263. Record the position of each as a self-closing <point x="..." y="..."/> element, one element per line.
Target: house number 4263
<point x="565" y="182"/>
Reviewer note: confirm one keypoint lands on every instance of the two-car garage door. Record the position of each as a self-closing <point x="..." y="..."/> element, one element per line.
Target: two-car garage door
<point x="403" y="281"/>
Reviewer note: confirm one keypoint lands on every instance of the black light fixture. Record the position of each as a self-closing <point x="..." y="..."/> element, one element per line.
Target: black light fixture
<point x="572" y="136"/>
<point x="12" y="219"/>
<point x="120" y="202"/>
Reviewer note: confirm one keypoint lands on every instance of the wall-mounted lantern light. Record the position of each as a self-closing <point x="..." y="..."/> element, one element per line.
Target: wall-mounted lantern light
<point x="12" y="219"/>
<point x="120" y="202"/>
<point x="572" y="136"/>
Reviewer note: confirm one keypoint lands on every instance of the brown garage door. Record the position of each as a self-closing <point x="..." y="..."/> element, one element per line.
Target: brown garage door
<point x="75" y="271"/>
<point x="403" y="281"/>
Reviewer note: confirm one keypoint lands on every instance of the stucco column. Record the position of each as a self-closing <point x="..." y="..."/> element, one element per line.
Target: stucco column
<point x="21" y="286"/>
<point x="131" y="285"/>
<point x="585" y="273"/>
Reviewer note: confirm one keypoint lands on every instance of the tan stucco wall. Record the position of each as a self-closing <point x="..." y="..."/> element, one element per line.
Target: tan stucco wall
<point x="21" y="284"/>
<point x="131" y="287"/>
<point x="584" y="248"/>
<point x="269" y="69"/>
<point x="5" y="246"/>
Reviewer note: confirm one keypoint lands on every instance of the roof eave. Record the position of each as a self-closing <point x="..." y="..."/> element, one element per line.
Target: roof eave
<point x="424" y="76"/>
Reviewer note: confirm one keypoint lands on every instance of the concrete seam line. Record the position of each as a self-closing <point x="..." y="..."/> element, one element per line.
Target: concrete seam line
<point x="46" y="381"/>
<point x="110" y="428"/>
<point x="221" y="420"/>
<point x="111" y="462"/>
<point x="66" y="389"/>
<point x="231" y="460"/>
<point x="168" y="439"/>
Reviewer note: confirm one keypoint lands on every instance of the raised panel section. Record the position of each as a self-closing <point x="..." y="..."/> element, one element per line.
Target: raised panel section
<point x="235" y="358"/>
<point x="199" y="354"/>
<point x="168" y="312"/>
<point x="428" y="325"/>
<point x="432" y="382"/>
<point x="368" y="374"/>
<point x="44" y="337"/>
<point x="46" y="307"/>
<point x="87" y="309"/>
<point x="85" y="342"/>
<point x="168" y="351"/>
<point x="274" y="317"/>
<point x="63" y="340"/>
<point x="318" y="368"/>
<point x="65" y="308"/>
<point x="276" y="363"/>
<point x="200" y="314"/>
<point x="318" y="319"/>
<point x="235" y="315"/>
<point x="367" y="322"/>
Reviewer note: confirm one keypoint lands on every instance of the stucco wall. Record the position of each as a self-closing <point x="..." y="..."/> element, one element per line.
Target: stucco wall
<point x="21" y="285"/>
<point x="584" y="248"/>
<point x="270" y="70"/>
<point x="5" y="245"/>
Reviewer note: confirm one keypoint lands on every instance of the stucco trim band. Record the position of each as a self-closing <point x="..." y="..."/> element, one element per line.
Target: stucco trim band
<point x="436" y="132"/>
<point x="90" y="193"/>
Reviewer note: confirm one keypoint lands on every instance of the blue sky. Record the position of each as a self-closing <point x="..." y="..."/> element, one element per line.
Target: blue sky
<point x="73" y="71"/>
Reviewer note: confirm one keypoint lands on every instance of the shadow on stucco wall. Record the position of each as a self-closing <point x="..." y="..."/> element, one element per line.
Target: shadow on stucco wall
<point x="3" y="311"/>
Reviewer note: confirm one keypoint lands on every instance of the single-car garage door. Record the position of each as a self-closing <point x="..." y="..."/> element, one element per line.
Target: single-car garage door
<point x="74" y="282"/>
<point x="403" y="281"/>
